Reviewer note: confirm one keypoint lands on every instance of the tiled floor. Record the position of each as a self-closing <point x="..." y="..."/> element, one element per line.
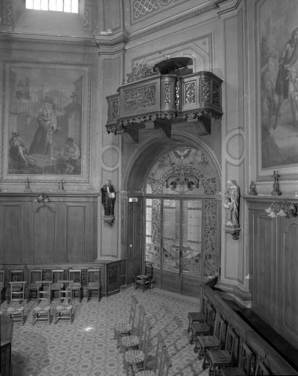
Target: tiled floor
<point x="87" y="347"/>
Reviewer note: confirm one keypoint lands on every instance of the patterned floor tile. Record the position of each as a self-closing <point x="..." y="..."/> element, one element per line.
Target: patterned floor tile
<point x="87" y="346"/>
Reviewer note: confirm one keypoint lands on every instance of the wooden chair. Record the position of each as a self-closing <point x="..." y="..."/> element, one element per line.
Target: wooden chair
<point x="2" y="286"/>
<point x="132" y="341"/>
<point x="215" y="341"/>
<point x="34" y="276"/>
<point x="17" y="297"/>
<point x="64" y="311"/>
<point x="227" y="357"/>
<point x="144" y="281"/>
<point x="135" y="360"/>
<point x="125" y="328"/>
<point x="93" y="282"/>
<point x="75" y="275"/>
<point x="42" y="311"/>
<point x="261" y="368"/>
<point x="205" y="328"/>
<point x="14" y="275"/>
<point x="197" y="316"/>
<point x="245" y="363"/>
<point x="57" y="275"/>
<point x="162" y="362"/>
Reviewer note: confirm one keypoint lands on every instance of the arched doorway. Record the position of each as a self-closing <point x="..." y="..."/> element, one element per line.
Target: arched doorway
<point x="173" y="214"/>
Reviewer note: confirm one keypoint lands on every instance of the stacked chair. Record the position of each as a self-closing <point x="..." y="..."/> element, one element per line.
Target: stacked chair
<point x="17" y="298"/>
<point x="125" y="328"/>
<point x="42" y="312"/>
<point x="133" y="339"/>
<point x="220" y="346"/>
<point x="65" y="309"/>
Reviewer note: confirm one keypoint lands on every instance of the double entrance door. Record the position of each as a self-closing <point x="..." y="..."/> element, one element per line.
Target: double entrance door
<point x="173" y="242"/>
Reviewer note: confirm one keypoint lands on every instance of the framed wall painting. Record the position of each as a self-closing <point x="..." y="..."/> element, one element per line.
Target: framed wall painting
<point x="277" y="67"/>
<point x="46" y="115"/>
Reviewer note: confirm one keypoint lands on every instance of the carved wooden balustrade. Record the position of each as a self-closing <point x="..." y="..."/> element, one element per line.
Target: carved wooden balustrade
<point x="150" y="100"/>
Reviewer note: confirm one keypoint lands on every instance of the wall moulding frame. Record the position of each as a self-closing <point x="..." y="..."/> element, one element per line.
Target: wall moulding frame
<point x="46" y="122"/>
<point x="276" y="119"/>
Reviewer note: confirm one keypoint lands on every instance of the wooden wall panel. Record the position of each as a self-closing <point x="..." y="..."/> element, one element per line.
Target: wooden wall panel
<point x="289" y="282"/>
<point x="75" y="219"/>
<point x="264" y="266"/>
<point x="12" y="233"/>
<point x="62" y="230"/>
<point x="44" y="234"/>
<point x="273" y="267"/>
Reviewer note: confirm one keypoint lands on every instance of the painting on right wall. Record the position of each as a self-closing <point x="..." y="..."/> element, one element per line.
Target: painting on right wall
<point x="278" y="67"/>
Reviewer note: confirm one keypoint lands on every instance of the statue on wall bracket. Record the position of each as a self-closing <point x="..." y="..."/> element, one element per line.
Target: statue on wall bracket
<point x="232" y="204"/>
<point x="108" y="198"/>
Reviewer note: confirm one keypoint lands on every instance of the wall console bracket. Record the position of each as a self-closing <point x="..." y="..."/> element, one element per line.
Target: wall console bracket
<point x="235" y="232"/>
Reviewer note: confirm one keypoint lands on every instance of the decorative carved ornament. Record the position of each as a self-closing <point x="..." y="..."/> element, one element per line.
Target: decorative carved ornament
<point x="163" y="99"/>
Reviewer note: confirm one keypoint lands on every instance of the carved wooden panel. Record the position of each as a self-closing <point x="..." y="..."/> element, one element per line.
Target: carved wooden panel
<point x="273" y="268"/>
<point x="289" y="281"/>
<point x="11" y="233"/>
<point x="264" y="267"/>
<point x="75" y="219"/>
<point x="44" y="234"/>
<point x="62" y="230"/>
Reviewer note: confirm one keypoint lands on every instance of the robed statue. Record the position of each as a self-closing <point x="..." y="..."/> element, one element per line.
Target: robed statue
<point x="108" y="198"/>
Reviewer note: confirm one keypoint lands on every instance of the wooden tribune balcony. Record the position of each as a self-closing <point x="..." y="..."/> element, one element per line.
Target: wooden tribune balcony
<point x="150" y="100"/>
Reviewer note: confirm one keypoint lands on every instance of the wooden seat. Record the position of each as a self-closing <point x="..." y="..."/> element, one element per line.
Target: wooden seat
<point x="162" y="362"/>
<point x="132" y="341"/>
<point x="57" y="275"/>
<point x="75" y="275"/>
<point x="261" y="368"/>
<point x="93" y="283"/>
<point x="135" y="360"/>
<point x="14" y="275"/>
<point x="16" y="303"/>
<point x="215" y="341"/>
<point x="2" y="285"/>
<point x="197" y="316"/>
<point x="42" y="312"/>
<point x="144" y="281"/>
<point x="245" y="366"/>
<point x="125" y="328"/>
<point x="64" y="311"/>
<point x="34" y="276"/>
<point x="227" y="357"/>
<point x="205" y="328"/>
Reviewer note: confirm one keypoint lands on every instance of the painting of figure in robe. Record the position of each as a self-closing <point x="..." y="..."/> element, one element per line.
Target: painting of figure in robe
<point x="45" y="120"/>
<point x="278" y="43"/>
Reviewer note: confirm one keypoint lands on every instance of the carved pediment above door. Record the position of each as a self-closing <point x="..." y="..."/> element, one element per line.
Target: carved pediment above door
<point x="154" y="102"/>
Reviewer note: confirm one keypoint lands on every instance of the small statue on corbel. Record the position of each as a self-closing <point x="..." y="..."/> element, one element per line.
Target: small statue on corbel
<point x="27" y="186"/>
<point x="232" y="204"/>
<point x="61" y="185"/>
<point x="108" y="198"/>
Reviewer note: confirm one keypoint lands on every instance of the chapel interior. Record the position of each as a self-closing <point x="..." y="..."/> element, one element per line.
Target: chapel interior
<point x="149" y="148"/>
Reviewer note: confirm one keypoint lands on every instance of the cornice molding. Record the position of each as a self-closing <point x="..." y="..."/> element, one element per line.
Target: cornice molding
<point x="173" y="22"/>
<point x="72" y="42"/>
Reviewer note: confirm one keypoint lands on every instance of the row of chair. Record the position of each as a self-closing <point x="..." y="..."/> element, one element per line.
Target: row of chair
<point x="133" y="338"/>
<point x="36" y="276"/>
<point x="219" y="345"/>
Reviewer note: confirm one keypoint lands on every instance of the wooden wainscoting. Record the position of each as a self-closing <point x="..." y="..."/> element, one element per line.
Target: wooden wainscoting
<point x="273" y="266"/>
<point x="62" y="230"/>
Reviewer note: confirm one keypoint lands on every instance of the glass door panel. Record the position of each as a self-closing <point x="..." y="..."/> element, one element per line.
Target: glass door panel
<point x="153" y="228"/>
<point x="171" y="236"/>
<point x="191" y="237"/>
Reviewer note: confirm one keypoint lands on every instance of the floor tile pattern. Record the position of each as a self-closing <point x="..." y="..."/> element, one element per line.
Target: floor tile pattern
<point x="87" y="346"/>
